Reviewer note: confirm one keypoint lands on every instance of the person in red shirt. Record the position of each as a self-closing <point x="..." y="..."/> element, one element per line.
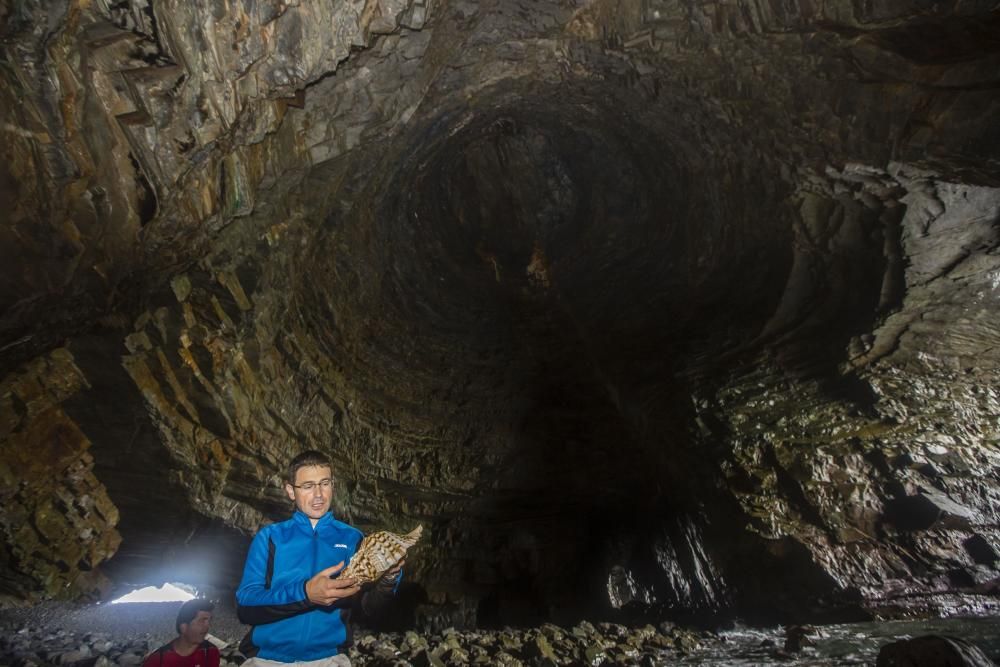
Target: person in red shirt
<point x="190" y="649"/>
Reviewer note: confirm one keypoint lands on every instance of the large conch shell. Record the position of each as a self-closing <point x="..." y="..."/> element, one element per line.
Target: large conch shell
<point x="377" y="553"/>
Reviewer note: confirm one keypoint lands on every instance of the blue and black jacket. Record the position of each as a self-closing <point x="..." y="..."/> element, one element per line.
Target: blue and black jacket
<point x="272" y="595"/>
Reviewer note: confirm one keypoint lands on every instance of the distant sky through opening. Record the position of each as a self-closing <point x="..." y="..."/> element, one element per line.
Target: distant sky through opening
<point x="165" y="593"/>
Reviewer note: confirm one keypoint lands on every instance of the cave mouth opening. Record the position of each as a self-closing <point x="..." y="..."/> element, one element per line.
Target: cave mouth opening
<point x="168" y="592"/>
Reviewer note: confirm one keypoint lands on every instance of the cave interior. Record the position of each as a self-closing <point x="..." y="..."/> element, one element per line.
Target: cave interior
<point x="642" y="308"/>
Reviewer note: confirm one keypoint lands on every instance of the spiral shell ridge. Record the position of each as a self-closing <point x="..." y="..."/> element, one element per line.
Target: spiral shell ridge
<point x="378" y="552"/>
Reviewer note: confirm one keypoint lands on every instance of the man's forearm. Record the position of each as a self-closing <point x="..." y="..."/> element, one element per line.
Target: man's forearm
<point x="262" y="614"/>
<point x="258" y="601"/>
<point x="270" y="613"/>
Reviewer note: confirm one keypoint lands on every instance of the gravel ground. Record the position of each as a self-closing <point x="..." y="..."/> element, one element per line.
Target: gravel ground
<point x="105" y="635"/>
<point x="153" y="621"/>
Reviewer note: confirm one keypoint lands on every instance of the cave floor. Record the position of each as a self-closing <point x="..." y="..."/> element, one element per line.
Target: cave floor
<point x="841" y="644"/>
<point x="52" y="627"/>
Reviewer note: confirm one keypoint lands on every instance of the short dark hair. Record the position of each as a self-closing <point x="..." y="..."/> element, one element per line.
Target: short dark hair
<point x="190" y="609"/>
<point x="310" y="457"/>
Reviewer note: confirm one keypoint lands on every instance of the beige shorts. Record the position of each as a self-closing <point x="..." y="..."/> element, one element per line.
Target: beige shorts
<point x="332" y="661"/>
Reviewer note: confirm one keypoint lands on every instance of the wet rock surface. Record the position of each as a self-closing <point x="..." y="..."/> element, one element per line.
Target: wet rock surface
<point x="932" y="650"/>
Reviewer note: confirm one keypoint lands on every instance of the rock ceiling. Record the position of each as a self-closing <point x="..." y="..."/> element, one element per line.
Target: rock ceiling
<point x="677" y="307"/>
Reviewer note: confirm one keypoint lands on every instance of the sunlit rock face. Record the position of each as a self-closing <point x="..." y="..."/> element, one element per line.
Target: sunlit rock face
<point x="638" y="308"/>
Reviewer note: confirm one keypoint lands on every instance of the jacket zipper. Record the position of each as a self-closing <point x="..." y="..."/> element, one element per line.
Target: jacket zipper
<point x="315" y="553"/>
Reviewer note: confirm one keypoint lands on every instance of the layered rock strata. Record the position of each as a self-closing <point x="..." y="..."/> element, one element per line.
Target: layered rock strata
<point x="57" y="521"/>
<point x="650" y="308"/>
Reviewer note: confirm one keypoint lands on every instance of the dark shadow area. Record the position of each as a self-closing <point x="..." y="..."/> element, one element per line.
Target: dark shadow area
<point x="163" y="538"/>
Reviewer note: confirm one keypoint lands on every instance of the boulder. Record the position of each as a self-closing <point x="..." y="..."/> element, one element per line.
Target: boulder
<point x="932" y="651"/>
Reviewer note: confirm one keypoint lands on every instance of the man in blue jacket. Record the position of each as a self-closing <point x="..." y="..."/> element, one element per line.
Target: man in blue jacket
<point x="290" y="592"/>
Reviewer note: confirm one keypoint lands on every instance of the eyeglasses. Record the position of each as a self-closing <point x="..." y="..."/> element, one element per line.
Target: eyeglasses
<point x="309" y="486"/>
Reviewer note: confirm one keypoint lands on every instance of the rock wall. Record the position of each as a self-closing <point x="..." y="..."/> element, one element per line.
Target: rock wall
<point x="58" y="523"/>
<point x="653" y="308"/>
<point x="885" y="467"/>
<point x="138" y="130"/>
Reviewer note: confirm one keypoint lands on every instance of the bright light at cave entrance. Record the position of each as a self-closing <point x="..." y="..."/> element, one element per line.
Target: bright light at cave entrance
<point x="166" y="593"/>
